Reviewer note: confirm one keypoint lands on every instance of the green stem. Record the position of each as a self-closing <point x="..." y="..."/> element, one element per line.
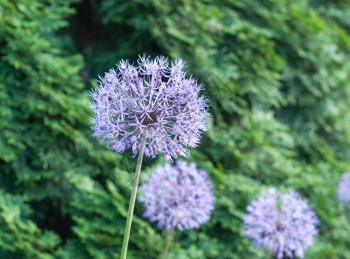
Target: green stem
<point x="132" y="200"/>
<point x="168" y="242"/>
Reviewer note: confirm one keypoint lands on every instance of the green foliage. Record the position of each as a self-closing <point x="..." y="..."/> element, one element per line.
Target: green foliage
<point x="44" y="139"/>
<point x="20" y="236"/>
<point x="276" y="74"/>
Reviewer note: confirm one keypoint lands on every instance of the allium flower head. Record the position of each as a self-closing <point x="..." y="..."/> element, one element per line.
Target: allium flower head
<point x="151" y="99"/>
<point x="178" y="196"/>
<point x="344" y="189"/>
<point x="282" y="223"/>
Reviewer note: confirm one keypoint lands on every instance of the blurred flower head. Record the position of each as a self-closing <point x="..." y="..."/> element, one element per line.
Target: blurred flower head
<point x="178" y="196"/>
<point x="154" y="100"/>
<point x="344" y="189"/>
<point x="283" y="223"/>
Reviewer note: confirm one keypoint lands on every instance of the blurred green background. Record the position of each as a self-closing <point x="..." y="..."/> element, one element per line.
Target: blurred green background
<point x="276" y="72"/>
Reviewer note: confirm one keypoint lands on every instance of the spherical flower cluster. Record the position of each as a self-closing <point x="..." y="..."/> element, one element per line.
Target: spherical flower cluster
<point x="152" y="100"/>
<point x="344" y="189"/>
<point x="178" y="196"/>
<point x="283" y="223"/>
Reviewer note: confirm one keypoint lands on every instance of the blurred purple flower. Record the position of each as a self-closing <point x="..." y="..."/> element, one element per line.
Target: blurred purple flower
<point x="283" y="223"/>
<point x="153" y="99"/>
<point x="344" y="189"/>
<point x="178" y="196"/>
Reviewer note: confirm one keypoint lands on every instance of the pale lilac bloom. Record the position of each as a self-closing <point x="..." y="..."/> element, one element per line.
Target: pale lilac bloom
<point x="283" y="223"/>
<point x="151" y="99"/>
<point x="178" y="196"/>
<point x="344" y="189"/>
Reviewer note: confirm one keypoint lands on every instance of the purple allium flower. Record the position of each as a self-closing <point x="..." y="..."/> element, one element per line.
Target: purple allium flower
<point x="344" y="189"/>
<point x="152" y="99"/>
<point x="178" y="196"/>
<point x="283" y="223"/>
